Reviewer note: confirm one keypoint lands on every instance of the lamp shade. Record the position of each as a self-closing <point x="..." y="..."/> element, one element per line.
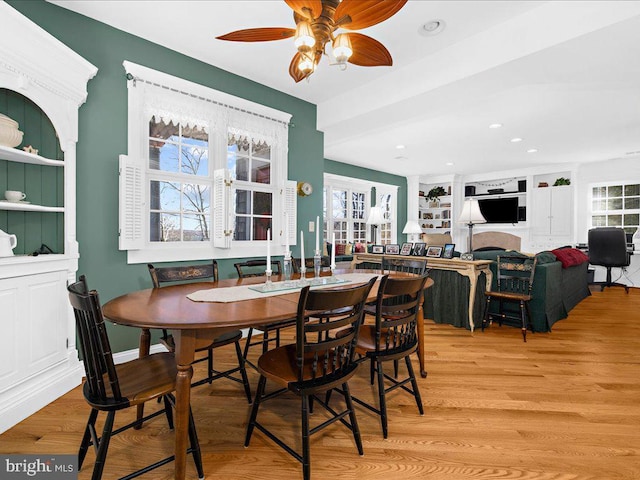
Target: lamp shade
<point x="471" y="213"/>
<point x="375" y="216"/>
<point x="412" y="228"/>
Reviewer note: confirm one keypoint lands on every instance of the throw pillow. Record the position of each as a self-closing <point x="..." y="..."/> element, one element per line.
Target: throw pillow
<point x="348" y="249"/>
<point x="340" y="249"/>
<point x="570" y="257"/>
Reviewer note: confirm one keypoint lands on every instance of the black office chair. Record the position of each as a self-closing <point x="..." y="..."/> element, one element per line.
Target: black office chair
<point x="608" y="248"/>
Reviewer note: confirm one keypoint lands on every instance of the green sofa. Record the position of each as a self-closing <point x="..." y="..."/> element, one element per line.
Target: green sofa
<point x="556" y="290"/>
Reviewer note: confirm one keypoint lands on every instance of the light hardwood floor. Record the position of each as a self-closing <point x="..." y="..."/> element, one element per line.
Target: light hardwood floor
<point x="564" y="405"/>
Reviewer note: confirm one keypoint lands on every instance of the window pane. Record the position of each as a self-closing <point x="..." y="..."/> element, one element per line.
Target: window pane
<point x="631" y="219"/>
<point x="163" y="156"/>
<point x="195" y="160"/>
<point x="195" y="228"/>
<point x="164" y="196"/>
<point x="632" y="203"/>
<point x="615" y="220"/>
<point x="599" y="205"/>
<point x="164" y="227"/>
<point x="243" y="228"/>
<point x="599" y="192"/>
<point x="260" y="226"/>
<point x="614" y="191"/>
<point x="262" y="203"/>
<point x="261" y="172"/>
<point x="242" y="169"/>
<point x="631" y="190"/>
<point x="614" y="204"/>
<point x="339" y="204"/>
<point x="196" y="198"/>
<point x="599" y="220"/>
<point x="243" y="202"/>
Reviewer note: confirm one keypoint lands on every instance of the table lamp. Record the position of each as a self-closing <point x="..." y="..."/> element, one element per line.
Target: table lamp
<point x="412" y="228"/>
<point x="471" y="215"/>
<point x="375" y="218"/>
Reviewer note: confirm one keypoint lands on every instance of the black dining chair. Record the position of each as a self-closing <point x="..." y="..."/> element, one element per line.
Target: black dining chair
<point x="391" y="338"/>
<point x="256" y="268"/>
<point x="515" y="274"/>
<point x="111" y="388"/>
<point x="209" y="271"/>
<point x="318" y="362"/>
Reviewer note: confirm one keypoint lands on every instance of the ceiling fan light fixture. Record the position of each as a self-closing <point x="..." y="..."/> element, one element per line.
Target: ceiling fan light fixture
<point x="304" y="38"/>
<point x="306" y="64"/>
<point x="342" y="49"/>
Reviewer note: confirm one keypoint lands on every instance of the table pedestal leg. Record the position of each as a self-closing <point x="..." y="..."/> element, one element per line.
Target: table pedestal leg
<point x="185" y="351"/>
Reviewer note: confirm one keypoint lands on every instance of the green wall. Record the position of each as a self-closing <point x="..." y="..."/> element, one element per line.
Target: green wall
<point x="103" y="136"/>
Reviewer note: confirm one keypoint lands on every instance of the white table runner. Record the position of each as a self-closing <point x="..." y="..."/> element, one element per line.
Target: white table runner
<point x="245" y="292"/>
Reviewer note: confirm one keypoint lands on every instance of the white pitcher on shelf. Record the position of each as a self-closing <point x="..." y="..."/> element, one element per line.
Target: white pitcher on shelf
<point x="7" y="243"/>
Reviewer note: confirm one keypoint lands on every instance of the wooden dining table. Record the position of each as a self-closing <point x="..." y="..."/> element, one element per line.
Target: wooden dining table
<point x="169" y="308"/>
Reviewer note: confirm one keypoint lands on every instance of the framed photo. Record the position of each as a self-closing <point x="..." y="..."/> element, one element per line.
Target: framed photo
<point x="418" y="249"/>
<point x="448" y="250"/>
<point x="377" y="249"/>
<point x="406" y="249"/>
<point x="434" y="251"/>
<point x="392" y="249"/>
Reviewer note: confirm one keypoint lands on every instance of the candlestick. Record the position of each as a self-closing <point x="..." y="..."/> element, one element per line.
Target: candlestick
<point x="286" y="232"/>
<point x="303" y="265"/>
<point x="317" y="233"/>
<point x="268" y="270"/>
<point x="333" y="252"/>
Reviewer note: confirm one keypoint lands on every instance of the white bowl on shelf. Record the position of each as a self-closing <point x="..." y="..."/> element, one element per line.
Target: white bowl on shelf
<point x="10" y="136"/>
<point x="4" y="120"/>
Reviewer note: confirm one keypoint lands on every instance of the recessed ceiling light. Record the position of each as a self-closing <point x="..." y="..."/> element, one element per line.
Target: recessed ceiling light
<point x="431" y="28"/>
<point x="516" y="140"/>
<point x="400" y="157"/>
<point x="450" y="164"/>
<point x="532" y="150"/>
<point x="400" y="147"/>
<point x="495" y="125"/>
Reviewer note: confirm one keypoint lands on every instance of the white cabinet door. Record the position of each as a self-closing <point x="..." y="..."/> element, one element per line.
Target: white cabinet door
<point x="551" y="213"/>
<point x="561" y="211"/>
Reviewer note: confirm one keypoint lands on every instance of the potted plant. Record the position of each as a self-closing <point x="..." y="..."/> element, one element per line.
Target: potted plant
<point x="562" y="181"/>
<point x="433" y="195"/>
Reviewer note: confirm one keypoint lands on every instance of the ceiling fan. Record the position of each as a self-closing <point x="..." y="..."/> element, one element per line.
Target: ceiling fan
<point x="316" y="24"/>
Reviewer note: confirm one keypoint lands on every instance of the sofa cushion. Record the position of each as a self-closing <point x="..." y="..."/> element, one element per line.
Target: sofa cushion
<point x="546" y="257"/>
<point x="570" y="257"/>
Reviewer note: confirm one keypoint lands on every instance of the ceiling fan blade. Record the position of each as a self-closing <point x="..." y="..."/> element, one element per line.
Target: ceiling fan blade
<point x="357" y="14"/>
<point x="306" y="8"/>
<point x="259" y="34"/>
<point x="368" y="52"/>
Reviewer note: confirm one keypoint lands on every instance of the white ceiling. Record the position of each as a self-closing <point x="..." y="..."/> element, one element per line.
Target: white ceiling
<point x="562" y="75"/>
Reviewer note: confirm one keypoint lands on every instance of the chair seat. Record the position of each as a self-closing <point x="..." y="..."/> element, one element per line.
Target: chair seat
<point x="279" y="365"/>
<point x="140" y="380"/>
<point x="509" y="296"/>
<point x="204" y="343"/>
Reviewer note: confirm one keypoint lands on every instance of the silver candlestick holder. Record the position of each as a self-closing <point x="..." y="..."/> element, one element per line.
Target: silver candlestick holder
<point x="317" y="264"/>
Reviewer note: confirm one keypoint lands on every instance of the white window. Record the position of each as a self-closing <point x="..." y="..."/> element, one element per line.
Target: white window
<point x="616" y="205"/>
<point x="205" y="173"/>
<point x="346" y="208"/>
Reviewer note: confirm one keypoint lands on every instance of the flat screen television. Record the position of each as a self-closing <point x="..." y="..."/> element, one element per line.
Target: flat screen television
<point x="499" y="210"/>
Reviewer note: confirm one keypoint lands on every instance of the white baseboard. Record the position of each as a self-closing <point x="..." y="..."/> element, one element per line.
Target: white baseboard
<point x="36" y="392"/>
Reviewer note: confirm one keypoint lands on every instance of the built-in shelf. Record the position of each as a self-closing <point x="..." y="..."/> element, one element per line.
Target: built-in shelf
<point x="27" y="207"/>
<point x="15" y="155"/>
<point x="497" y="194"/>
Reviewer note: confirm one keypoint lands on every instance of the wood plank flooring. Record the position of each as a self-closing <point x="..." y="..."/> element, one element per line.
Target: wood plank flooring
<point x="564" y="405"/>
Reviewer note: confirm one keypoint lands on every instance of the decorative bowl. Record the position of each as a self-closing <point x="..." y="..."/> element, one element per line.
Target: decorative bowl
<point x="9" y="136"/>
<point x="4" y="120"/>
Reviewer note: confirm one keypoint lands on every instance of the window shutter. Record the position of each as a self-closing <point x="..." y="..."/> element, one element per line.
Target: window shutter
<point x="131" y="203"/>
<point x="289" y="205"/>
<point x="223" y="216"/>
